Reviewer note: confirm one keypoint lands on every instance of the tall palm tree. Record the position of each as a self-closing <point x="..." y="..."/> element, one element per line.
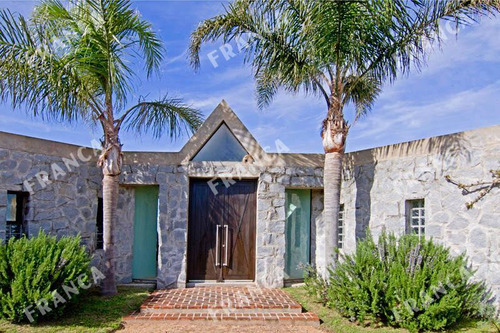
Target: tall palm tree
<point x="72" y="63"/>
<point x="340" y="50"/>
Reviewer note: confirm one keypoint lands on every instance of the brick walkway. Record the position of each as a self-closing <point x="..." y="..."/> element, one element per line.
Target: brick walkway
<point x="232" y="305"/>
<point x="221" y="298"/>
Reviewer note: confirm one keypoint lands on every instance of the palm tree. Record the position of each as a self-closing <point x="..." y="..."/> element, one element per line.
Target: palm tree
<point x="340" y="50"/>
<point x="72" y="63"/>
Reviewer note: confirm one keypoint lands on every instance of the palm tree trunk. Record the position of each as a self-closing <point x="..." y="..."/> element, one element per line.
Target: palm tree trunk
<point x="111" y="162"/>
<point x="331" y="203"/>
<point x="333" y="135"/>
<point x="110" y="203"/>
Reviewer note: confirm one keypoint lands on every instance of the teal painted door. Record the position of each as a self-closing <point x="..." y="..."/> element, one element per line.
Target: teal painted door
<point x="145" y="233"/>
<point x="298" y="232"/>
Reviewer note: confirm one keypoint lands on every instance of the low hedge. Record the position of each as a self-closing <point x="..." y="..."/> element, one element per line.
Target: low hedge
<point x="404" y="282"/>
<point x="40" y="276"/>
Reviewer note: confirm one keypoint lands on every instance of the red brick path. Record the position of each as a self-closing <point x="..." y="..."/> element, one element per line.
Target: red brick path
<point x="247" y="305"/>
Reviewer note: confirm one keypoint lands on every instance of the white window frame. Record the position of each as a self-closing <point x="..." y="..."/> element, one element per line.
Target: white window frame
<point x="415" y="217"/>
<point x="341" y="226"/>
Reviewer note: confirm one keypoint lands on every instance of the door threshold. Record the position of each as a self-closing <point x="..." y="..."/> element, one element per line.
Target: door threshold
<point x="214" y="283"/>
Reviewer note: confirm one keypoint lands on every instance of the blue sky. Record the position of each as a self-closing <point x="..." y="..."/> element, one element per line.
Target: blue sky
<point x="458" y="90"/>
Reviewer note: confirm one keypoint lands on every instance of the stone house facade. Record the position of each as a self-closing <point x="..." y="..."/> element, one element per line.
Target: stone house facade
<point x="224" y="210"/>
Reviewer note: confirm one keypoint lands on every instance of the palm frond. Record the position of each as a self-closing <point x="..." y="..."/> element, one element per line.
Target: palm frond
<point x="126" y="29"/>
<point x="31" y="74"/>
<point x="411" y="25"/>
<point x="266" y="89"/>
<point x="275" y="49"/>
<point x="165" y="115"/>
<point x="314" y="46"/>
<point x="362" y="93"/>
<point x="71" y="58"/>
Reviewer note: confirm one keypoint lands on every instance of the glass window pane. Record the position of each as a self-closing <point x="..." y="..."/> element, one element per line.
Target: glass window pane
<point x="13" y="231"/>
<point x="415" y="215"/>
<point x="11" y="207"/>
<point x="222" y="146"/>
<point x="417" y="203"/>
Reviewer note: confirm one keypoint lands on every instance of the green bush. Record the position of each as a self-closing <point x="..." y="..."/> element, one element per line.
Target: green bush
<point x="35" y="269"/>
<point x="407" y="282"/>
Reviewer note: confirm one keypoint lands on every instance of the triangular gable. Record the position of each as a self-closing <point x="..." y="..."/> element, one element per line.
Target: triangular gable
<point x="222" y="114"/>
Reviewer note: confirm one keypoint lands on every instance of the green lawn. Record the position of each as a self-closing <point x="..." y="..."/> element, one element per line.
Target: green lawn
<point x="334" y="322"/>
<point x="92" y="313"/>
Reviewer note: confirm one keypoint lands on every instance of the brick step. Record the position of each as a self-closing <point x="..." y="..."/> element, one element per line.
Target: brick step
<point x="220" y="301"/>
<point x="299" y="319"/>
<point x="221" y="308"/>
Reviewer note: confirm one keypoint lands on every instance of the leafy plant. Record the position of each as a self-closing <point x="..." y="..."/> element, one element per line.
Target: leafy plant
<point x="316" y="285"/>
<point x="32" y="270"/>
<point x="407" y="282"/>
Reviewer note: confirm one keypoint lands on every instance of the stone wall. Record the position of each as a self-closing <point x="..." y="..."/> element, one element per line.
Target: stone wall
<point x="316" y="218"/>
<point x="124" y="234"/>
<point x="172" y="214"/>
<point x="378" y="182"/>
<point x="376" y="185"/>
<point x="64" y="204"/>
<point x="67" y="205"/>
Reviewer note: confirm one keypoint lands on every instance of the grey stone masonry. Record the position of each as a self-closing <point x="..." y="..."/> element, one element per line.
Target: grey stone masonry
<point x="64" y="184"/>
<point x="378" y="183"/>
<point x="63" y="193"/>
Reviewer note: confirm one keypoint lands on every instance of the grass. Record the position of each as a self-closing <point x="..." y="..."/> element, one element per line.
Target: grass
<point x="332" y="321"/>
<point x="92" y="313"/>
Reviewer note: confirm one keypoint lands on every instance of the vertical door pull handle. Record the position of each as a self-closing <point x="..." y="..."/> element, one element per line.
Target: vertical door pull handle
<point x="217" y="253"/>
<point x="226" y="245"/>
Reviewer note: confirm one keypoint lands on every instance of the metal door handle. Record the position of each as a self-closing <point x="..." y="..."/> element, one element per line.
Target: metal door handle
<point x="217" y="254"/>
<point x="226" y="245"/>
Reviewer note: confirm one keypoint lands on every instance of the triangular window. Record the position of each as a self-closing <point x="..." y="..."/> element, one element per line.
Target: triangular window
<point x="222" y="146"/>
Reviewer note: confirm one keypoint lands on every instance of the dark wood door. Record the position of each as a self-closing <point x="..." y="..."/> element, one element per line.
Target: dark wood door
<point x="239" y="231"/>
<point x="221" y="231"/>
<point x="206" y="212"/>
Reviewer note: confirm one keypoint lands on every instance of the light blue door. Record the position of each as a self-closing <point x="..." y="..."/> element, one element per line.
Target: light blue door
<point x="298" y="232"/>
<point x="145" y="233"/>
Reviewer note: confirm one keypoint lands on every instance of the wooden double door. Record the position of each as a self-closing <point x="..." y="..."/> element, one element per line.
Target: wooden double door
<point x="221" y="230"/>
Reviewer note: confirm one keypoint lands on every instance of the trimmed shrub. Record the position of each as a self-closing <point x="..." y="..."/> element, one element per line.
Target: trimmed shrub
<point x="407" y="282"/>
<point x="36" y="269"/>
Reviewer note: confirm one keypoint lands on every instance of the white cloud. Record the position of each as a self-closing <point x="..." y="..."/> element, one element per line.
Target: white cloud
<point x="404" y="120"/>
<point x="471" y="44"/>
